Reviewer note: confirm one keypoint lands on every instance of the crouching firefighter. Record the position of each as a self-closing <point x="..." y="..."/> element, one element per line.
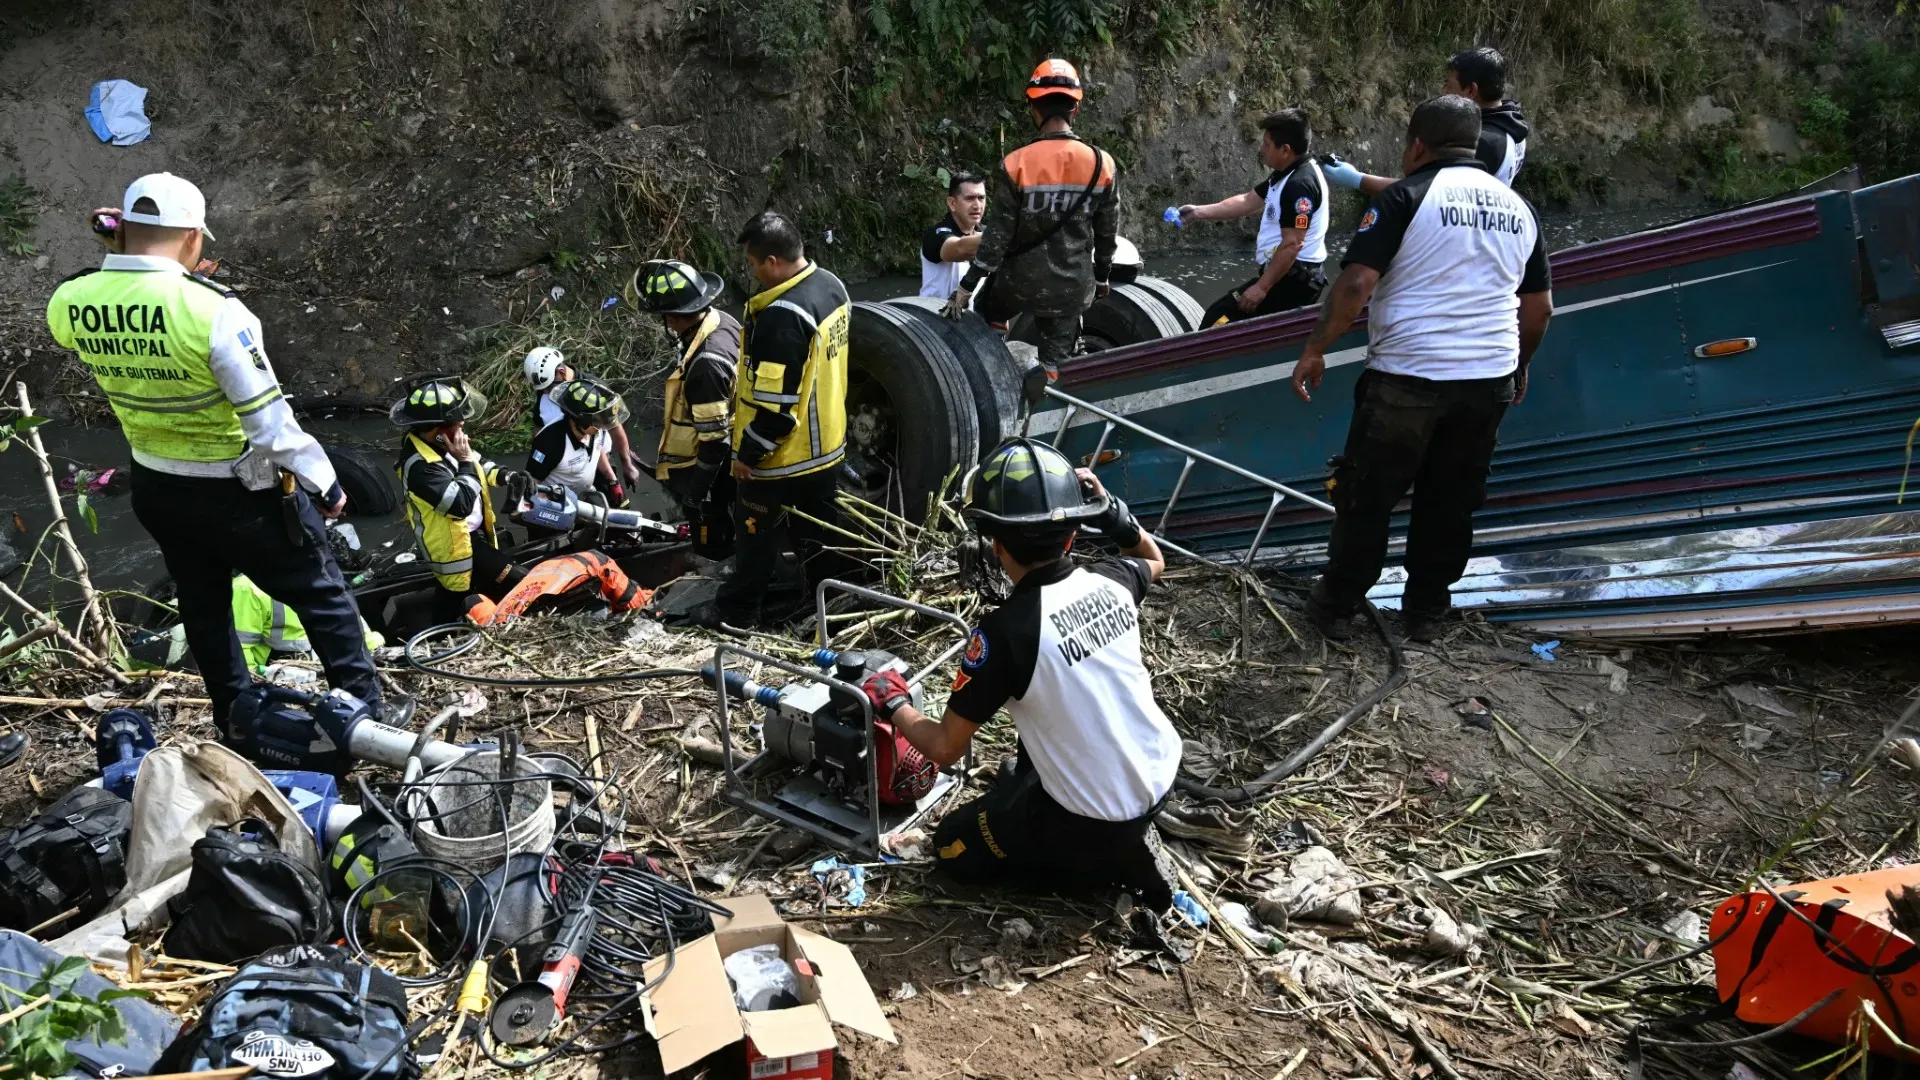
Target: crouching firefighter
<point x="1062" y="655"/>
<point x="450" y="494"/>
<point x="698" y="417"/>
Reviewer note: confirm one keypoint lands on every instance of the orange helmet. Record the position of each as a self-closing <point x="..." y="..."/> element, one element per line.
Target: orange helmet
<point x="1054" y="76"/>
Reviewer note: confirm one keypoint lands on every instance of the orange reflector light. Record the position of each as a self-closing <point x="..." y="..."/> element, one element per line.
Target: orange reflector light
<point x="1729" y="347"/>
<point x="1107" y="457"/>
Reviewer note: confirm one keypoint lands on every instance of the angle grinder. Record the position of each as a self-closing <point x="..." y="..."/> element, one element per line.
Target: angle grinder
<point x="529" y="1011"/>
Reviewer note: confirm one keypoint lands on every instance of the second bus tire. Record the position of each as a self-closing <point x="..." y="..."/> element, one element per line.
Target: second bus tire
<point x="910" y="406"/>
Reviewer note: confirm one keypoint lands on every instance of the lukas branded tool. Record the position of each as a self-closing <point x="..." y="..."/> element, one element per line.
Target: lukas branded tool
<point x="855" y="779"/>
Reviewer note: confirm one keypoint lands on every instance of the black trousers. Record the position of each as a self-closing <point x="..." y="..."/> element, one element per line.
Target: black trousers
<point x="1058" y="333"/>
<point x="494" y="576"/>
<point x="206" y="530"/>
<point x="1018" y="834"/>
<point x="763" y="524"/>
<point x="709" y="516"/>
<point x="1434" y="437"/>
<point x="1299" y="287"/>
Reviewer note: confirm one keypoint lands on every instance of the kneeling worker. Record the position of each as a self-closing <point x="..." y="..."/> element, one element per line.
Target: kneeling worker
<point x="697" y="420"/>
<point x="1292" y="204"/>
<point x="546" y="371"/>
<point x="449" y="494"/>
<point x="1097" y="756"/>
<point x="573" y="450"/>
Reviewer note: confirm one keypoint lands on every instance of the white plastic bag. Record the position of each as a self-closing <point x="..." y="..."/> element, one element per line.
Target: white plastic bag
<point x="760" y="975"/>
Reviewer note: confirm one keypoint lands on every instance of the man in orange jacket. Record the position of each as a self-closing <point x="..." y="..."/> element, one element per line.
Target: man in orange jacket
<point x="1053" y="214"/>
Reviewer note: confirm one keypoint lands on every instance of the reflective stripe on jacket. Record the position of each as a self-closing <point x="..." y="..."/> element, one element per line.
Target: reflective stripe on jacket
<point x="790" y="400"/>
<point x="689" y="423"/>
<point x="441" y="524"/>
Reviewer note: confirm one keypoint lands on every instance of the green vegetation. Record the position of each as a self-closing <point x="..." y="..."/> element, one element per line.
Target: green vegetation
<point x="17" y="213"/>
<point x="50" y="1014"/>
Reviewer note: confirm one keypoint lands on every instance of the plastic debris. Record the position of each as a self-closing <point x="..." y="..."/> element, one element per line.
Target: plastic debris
<point x="1317" y="887"/>
<point x="117" y="112"/>
<point x="1616" y="675"/>
<point x="1758" y="697"/>
<point x="1190" y="909"/>
<point x="1243" y="920"/>
<point x="1016" y="932"/>
<point x="1446" y="936"/>
<point x="1754" y="737"/>
<point x="841" y="880"/>
<point x="557" y="292"/>
<point x="906" y="992"/>
<point x="911" y="846"/>
<point x="1685" y="927"/>
<point x="762" y="979"/>
<point x="996" y="972"/>
<point x="1544" y="650"/>
<point x="609" y="302"/>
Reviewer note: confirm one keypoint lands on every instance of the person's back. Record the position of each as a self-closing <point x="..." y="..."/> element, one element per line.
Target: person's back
<point x="1503" y="141"/>
<point x="1457" y="245"/>
<point x="1061" y="191"/>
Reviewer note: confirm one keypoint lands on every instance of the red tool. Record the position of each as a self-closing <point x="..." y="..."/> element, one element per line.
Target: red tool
<point x="528" y="1011"/>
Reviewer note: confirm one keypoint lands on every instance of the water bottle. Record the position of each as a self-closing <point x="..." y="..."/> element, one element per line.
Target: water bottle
<point x="1172" y="216"/>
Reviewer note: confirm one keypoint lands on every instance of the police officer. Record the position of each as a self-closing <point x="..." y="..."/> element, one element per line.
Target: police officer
<point x="698" y="414"/>
<point x="1053" y="213"/>
<point x="266" y="626"/>
<point x="1456" y="271"/>
<point x="223" y="477"/>
<point x="575" y="450"/>
<point x="789" y="415"/>
<point x="1062" y="656"/>
<point x="450" y="494"/>
<point x="1292" y="204"/>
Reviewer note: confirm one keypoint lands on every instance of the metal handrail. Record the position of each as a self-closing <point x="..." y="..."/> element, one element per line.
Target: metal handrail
<point x="1278" y="492"/>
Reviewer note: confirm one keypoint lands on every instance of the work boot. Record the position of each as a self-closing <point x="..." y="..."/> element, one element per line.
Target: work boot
<point x="1212" y="823"/>
<point x="1333" y="623"/>
<point x="13" y="745"/>
<point x="1423" y="625"/>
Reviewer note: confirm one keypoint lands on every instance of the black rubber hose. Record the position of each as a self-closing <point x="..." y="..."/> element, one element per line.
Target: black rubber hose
<point x="1265" y="785"/>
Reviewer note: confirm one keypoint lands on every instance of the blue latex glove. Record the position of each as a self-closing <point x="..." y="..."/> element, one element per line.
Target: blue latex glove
<point x="1189" y="908"/>
<point x="1340" y="172"/>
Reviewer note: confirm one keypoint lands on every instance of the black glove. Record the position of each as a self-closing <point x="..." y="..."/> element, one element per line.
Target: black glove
<point x="518" y="487"/>
<point x="1119" y="523"/>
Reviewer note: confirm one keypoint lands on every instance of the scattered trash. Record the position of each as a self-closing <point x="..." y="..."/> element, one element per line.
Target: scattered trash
<point x="965" y="959"/>
<point x="996" y="972"/>
<point x="914" y="845"/>
<point x="1758" y="697"/>
<point x="1754" y="737"/>
<point x="1447" y="936"/>
<point x="557" y="292"/>
<point x="1570" y="1022"/>
<point x="355" y="328"/>
<point x="117" y="112"/>
<point x="1148" y="1035"/>
<point x="282" y="673"/>
<point x="1190" y="909"/>
<point x="1475" y="712"/>
<point x="1544" y="650"/>
<point x="609" y="302"/>
<point x="1435" y="775"/>
<point x="1616" y="675"/>
<point x="906" y="992"/>
<point x="647" y="632"/>
<point x="1016" y="932"/>
<point x="1242" y="919"/>
<point x="842" y="881"/>
<point x="1297" y="836"/>
<point x="1685" y="927"/>
<point x="1317" y="887"/>
<point x="829" y="236"/>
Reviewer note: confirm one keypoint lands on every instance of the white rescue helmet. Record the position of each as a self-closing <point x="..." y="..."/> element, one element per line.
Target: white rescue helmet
<point x="540" y="365"/>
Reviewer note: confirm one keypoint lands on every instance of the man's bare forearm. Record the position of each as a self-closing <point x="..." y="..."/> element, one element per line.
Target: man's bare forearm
<point x="1535" y="314"/>
<point x="1339" y="306"/>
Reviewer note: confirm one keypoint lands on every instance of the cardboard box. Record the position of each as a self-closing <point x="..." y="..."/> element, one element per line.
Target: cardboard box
<point x="691" y="1012"/>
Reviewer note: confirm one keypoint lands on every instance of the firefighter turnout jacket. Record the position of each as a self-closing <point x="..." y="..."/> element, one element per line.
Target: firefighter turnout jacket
<point x="699" y="401"/>
<point x="790" y="405"/>
<point x="1053" y="212"/>
<point x="447" y="502"/>
<point x="183" y="364"/>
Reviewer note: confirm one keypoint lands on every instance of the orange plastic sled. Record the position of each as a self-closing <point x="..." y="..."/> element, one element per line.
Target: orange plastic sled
<point x="1778" y="965"/>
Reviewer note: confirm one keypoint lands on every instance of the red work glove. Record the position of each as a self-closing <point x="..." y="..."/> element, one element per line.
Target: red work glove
<point x="616" y="496"/>
<point x="888" y="692"/>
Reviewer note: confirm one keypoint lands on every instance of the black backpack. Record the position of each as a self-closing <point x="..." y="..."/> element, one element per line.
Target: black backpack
<point x="304" y="1011"/>
<point x="74" y="855"/>
<point x="246" y="896"/>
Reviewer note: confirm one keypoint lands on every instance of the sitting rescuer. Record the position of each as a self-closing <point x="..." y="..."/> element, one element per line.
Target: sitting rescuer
<point x="547" y="372"/>
<point x="221" y="469"/>
<point x="697" y="417"/>
<point x="946" y="250"/>
<point x="1292" y="204"/>
<point x="1053" y="213"/>
<point x="789" y="417"/>
<point x="573" y="450"/>
<point x="449" y="494"/>
<point x="1452" y="270"/>
<point x="1097" y="756"/>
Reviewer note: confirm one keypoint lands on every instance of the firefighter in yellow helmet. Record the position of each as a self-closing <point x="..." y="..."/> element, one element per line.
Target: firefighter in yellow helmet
<point x="698" y="414"/>
<point x="450" y="494"/>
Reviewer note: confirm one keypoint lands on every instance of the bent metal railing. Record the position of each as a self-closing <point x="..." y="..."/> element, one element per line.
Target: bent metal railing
<point x="1277" y="492"/>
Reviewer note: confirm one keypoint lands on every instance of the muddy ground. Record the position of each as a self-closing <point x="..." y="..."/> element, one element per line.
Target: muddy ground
<point x="1596" y="800"/>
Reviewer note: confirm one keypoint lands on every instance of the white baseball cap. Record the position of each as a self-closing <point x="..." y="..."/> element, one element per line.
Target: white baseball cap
<point x="177" y="203"/>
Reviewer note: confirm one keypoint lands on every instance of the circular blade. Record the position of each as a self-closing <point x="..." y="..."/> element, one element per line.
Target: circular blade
<point x="524" y="1015"/>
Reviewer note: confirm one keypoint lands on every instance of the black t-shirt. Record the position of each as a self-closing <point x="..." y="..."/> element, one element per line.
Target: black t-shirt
<point x="999" y="662"/>
<point x="936" y="238"/>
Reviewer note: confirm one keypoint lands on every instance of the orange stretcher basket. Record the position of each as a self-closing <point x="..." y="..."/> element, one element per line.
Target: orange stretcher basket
<point x="1777" y="965"/>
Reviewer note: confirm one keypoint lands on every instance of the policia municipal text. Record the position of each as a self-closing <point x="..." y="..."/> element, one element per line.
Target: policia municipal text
<point x="223" y="477"/>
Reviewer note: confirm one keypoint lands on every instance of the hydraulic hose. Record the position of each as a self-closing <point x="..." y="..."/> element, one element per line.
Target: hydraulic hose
<point x="1265" y="786"/>
<point x="430" y="663"/>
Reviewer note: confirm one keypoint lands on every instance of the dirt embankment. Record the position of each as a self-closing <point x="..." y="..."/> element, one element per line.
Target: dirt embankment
<point x="401" y="187"/>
